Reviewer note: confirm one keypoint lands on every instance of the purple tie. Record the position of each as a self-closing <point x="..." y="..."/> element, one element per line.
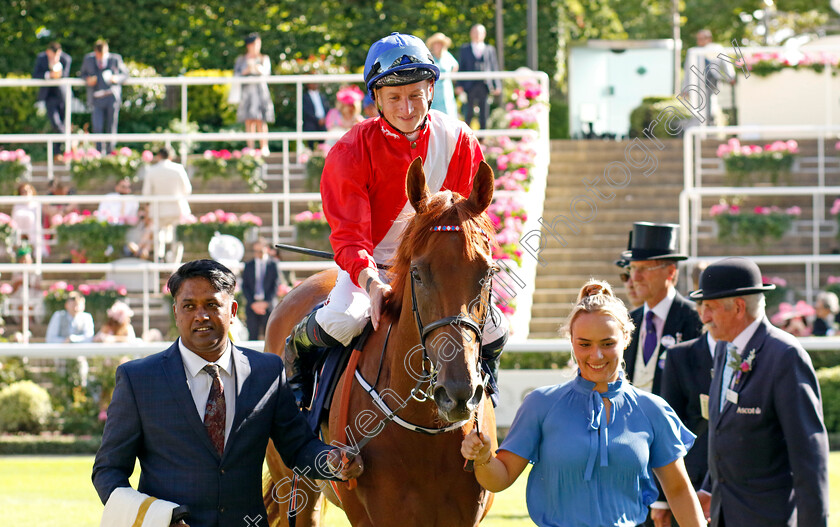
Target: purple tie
<point x="215" y="411"/>
<point x="650" y="337"/>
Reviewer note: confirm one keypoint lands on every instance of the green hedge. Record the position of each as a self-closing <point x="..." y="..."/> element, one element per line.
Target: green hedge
<point x="651" y="107"/>
<point x="48" y="444"/>
<point x="829" y="379"/>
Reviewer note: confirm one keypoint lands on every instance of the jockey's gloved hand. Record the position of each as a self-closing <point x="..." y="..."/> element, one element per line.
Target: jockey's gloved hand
<point x="378" y="292"/>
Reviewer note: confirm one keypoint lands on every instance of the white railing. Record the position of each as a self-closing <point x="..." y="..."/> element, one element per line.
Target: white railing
<point x="691" y="208"/>
<point x="184" y="82"/>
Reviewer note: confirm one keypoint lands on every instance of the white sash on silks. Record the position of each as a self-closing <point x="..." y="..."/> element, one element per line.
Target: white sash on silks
<point x="442" y="142"/>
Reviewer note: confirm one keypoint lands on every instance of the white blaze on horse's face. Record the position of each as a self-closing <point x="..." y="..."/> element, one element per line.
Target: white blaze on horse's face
<point x="451" y="289"/>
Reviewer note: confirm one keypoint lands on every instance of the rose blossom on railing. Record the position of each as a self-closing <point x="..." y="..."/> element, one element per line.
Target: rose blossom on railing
<point x="743" y="162"/>
<point x="757" y="225"/>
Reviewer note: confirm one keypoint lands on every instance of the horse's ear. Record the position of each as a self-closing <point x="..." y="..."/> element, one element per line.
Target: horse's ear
<point x="482" y="190"/>
<point x="415" y="186"/>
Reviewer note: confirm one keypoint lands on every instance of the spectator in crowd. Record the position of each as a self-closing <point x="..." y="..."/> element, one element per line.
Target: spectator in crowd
<point x="119" y="211"/>
<point x="71" y="324"/>
<point x="118" y="326"/>
<point x="793" y="318"/>
<point x="166" y="178"/>
<point x="140" y="237"/>
<point x="315" y="108"/>
<point x="478" y="56"/>
<point x="23" y="255"/>
<point x="826" y="308"/>
<point x="614" y="434"/>
<point x="255" y="107"/>
<point x="629" y="285"/>
<point x="52" y="64"/>
<point x="26" y="215"/>
<point x="104" y="72"/>
<point x="444" y="98"/>
<point x="198" y="416"/>
<point x="703" y="71"/>
<point x="768" y="446"/>
<point x="348" y="110"/>
<point x="260" y="281"/>
<point x="666" y="318"/>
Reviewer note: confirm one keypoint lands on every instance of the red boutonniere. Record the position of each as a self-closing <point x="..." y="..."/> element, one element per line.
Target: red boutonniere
<point x="739" y="364"/>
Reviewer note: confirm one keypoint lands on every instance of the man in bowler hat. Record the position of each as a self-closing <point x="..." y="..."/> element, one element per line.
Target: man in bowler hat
<point x="768" y="447"/>
<point x="665" y="318"/>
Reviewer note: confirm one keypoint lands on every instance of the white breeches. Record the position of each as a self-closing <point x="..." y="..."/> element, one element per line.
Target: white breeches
<point x="347" y="311"/>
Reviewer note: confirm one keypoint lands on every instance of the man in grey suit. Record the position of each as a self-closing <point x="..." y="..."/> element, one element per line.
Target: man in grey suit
<point x="199" y="415"/>
<point x="478" y="56"/>
<point x="104" y="73"/>
<point x="768" y="447"/>
<point x="53" y="64"/>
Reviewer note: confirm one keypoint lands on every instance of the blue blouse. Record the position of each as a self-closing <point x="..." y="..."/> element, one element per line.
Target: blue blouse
<point x="587" y="471"/>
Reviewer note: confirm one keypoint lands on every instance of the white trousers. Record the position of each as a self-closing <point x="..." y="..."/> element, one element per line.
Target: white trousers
<point x="347" y="311"/>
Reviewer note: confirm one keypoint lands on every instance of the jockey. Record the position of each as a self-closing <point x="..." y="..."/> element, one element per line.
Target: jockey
<point x="364" y="199"/>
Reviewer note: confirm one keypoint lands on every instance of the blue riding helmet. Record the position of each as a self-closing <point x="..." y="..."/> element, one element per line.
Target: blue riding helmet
<point x="397" y="60"/>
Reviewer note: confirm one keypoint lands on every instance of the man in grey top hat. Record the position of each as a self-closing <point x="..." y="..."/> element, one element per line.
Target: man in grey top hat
<point x="768" y="447"/>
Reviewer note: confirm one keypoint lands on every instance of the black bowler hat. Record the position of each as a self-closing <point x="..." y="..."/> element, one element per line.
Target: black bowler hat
<point x="652" y="241"/>
<point x="730" y="277"/>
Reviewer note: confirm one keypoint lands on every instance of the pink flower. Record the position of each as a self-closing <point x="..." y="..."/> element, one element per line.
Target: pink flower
<point x="69" y="287"/>
<point x="250" y="218"/>
<point x="734" y="144"/>
<point x="126" y="151"/>
<point x="303" y="216"/>
<point x="224" y="154"/>
<point x="761" y="210"/>
<point x="5" y="289"/>
<point x="188" y="219"/>
<point x="718" y="208"/>
<point x="792" y="146"/>
<point x="723" y="150"/>
<point x="210" y="217"/>
<point x="5" y="155"/>
<point x="103" y="415"/>
<point x="793" y="211"/>
<point x="835" y="208"/>
<point x="147" y="156"/>
<point x="122" y="291"/>
<point x="84" y="289"/>
<point x="237" y="154"/>
<point x="833" y="280"/>
<point x="209" y="154"/>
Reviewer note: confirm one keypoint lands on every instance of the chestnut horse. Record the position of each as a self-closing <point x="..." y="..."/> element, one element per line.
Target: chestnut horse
<point x="423" y="362"/>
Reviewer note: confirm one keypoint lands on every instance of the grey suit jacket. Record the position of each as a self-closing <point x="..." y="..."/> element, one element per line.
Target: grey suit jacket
<point x="119" y="73"/>
<point x="682" y="323"/>
<point x="153" y="418"/>
<point x="768" y="452"/>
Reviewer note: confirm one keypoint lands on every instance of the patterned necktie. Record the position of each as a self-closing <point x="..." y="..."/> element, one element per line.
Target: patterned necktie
<point x="214" y="412"/>
<point x="650" y="337"/>
<point x="727" y="373"/>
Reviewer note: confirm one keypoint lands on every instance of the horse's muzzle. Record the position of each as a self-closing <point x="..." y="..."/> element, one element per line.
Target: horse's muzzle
<point x="457" y="401"/>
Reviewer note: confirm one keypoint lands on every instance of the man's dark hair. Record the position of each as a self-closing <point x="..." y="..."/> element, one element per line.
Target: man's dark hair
<point x="219" y="276"/>
<point x="54" y="46"/>
<point x="166" y="152"/>
<point x="99" y="45"/>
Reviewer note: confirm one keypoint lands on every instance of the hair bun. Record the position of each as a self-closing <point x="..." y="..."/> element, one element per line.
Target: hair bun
<point x="594" y="288"/>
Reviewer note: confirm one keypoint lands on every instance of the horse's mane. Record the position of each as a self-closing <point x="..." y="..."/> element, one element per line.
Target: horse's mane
<point x="443" y="208"/>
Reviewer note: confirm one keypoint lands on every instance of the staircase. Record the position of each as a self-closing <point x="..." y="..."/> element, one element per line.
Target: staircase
<point x="592" y="251"/>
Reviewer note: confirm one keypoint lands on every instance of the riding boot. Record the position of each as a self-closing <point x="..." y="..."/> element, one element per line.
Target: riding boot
<point x="490" y="358"/>
<point x="300" y="356"/>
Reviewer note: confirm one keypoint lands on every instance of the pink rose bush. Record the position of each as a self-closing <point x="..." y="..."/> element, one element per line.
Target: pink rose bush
<point x="245" y="164"/>
<point x="756" y="226"/>
<point x="99" y="297"/>
<point x="196" y="232"/>
<point x="15" y="166"/>
<point x="742" y="162"/>
<point x="88" y="165"/>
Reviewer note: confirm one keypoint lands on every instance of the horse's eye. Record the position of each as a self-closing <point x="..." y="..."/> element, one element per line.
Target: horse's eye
<point x="415" y="275"/>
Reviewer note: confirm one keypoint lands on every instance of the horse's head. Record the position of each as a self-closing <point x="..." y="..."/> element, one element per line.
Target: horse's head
<point x="442" y="274"/>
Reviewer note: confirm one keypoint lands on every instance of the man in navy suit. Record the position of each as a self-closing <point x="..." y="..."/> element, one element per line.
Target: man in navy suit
<point x="199" y="415"/>
<point x="478" y="56"/>
<point x="53" y="64"/>
<point x="768" y="447"/>
<point x="260" y="280"/>
<point x="315" y="108"/>
<point x="104" y="73"/>
<point x="666" y="318"/>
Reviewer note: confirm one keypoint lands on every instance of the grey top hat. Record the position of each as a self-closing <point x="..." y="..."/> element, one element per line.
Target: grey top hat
<point x="730" y="277"/>
<point x="653" y="241"/>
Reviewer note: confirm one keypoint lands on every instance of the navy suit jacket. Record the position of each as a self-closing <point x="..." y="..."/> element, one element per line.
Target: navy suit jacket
<point x="153" y="418"/>
<point x="683" y="323"/>
<point x="687" y="374"/>
<point x="41" y="68"/>
<point x="768" y="452"/>
<point x="487" y="62"/>
<point x="270" y="283"/>
<point x="310" y="122"/>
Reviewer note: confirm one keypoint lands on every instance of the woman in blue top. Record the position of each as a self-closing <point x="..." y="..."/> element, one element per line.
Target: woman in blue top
<point x="444" y="99"/>
<point x="596" y="441"/>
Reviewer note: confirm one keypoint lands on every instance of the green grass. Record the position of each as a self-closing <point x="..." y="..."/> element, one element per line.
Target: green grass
<point x="56" y="491"/>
